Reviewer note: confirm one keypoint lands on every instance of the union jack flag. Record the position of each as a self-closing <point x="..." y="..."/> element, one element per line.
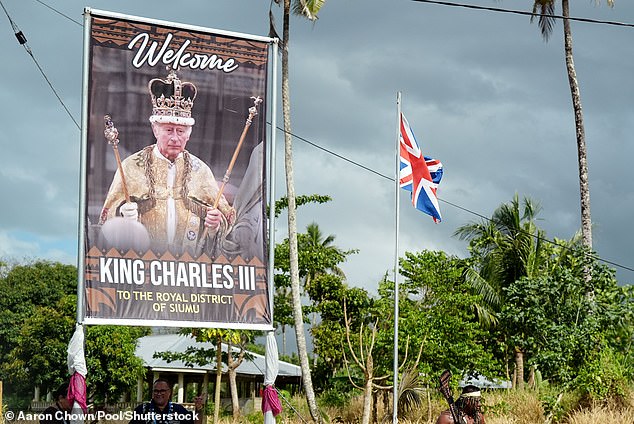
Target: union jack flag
<point x="419" y="174"/>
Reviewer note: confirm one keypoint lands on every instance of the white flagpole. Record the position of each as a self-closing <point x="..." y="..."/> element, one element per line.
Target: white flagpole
<point x="396" y="290"/>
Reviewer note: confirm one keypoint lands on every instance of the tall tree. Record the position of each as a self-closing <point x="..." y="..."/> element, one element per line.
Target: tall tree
<point x="506" y="248"/>
<point x="283" y="301"/>
<point x="437" y="311"/>
<point x="308" y="9"/>
<point x="37" y="312"/>
<point x="26" y="289"/>
<point x="546" y="23"/>
<point x="320" y="256"/>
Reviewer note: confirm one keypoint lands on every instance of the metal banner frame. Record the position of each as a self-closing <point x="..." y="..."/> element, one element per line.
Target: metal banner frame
<point x="147" y="253"/>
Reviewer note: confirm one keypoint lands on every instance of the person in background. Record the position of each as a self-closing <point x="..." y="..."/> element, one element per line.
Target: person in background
<point x="161" y="409"/>
<point x="468" y="407"/>
<point x="58" y="413"/>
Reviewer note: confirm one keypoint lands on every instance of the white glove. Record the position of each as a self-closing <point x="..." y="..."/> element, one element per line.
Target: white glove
<point x="130" y="211"/>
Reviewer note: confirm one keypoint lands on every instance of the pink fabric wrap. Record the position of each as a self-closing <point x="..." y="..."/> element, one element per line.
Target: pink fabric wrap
<point x="270" y="401"/>
<point x="77" y="391"/>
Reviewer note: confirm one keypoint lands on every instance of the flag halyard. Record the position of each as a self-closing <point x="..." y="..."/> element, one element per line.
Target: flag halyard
<point x="418" y="174"/>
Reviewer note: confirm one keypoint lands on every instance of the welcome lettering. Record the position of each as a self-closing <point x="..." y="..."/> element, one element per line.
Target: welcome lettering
<point x="152" y="54"/>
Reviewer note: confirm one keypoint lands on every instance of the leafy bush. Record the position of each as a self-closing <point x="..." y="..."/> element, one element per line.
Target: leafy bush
<point x="604" y="379"/>
<point x="335" y="398"/>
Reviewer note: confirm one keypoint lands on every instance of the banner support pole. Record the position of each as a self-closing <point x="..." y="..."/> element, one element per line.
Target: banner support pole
<point x="271" y="185"/>
<point x="82" y="224"/>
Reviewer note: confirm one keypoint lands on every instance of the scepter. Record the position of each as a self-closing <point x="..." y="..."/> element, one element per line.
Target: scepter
<point x="253" y="111"/>
<point x="119" y="231"/>
<point x="112" y="136"/>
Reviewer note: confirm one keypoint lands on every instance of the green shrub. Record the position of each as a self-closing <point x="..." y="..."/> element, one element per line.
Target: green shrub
<point x="604" y="379"/>
<point x="335" y="398"/>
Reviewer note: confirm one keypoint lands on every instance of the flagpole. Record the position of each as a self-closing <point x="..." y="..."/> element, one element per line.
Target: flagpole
<point x="396" y="225"/>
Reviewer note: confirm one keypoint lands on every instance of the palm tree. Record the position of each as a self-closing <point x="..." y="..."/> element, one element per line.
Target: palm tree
<point x="324" y="259"/>
<point x="508" y="247"/>
<point x="315" y="243"/>
<point x="546" y="23"/>
<point x="308" y="9"/>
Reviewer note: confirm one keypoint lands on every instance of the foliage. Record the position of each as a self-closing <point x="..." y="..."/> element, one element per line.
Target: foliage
<point x="112" y="365"/>
<point x="300" y="200"/>
<point x="26" y="287"/>
<point x="410" y="393"/>
<point x="561" y="322"/>
<point x="604" y="378"/>
<point x="437" y="310"/>
<point x="31" y="293"/>
<point x="329" y="334"/>
<point x="338" y="395"/>
<point x="38" y="314"/>
<point x="38" y="357"/>
<point x="505" y="249"/>
<point x="316" y="254"/>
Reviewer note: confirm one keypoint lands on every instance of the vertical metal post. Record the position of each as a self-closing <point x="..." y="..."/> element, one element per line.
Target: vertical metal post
<point x="82" y="226"/>
<point x="397" y="187"/>
<point x="271" y="177"/>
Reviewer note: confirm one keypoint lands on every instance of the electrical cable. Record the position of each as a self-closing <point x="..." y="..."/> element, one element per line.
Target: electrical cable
<point x="593" y="256"/>
<point x="519" y="12"/>
<point x="60" y="13"/>
<point x="22" y="40"/>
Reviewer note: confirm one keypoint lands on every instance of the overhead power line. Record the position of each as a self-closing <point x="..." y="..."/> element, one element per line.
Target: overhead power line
<point x="60" y="13"/>
<point x="520" y="12"/>
<point x="479" y="215"/>
<point x="22" y="40"/>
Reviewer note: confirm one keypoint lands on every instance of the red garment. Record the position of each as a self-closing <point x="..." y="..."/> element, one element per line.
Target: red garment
<point x="77" y="391"/>
<point x="270" y="401"/>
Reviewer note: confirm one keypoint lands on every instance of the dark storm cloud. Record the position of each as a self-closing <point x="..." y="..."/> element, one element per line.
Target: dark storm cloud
<point x="483" y="92"/>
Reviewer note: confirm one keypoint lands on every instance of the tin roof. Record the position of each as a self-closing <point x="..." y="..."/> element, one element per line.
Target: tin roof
<point x="253" y="364"/>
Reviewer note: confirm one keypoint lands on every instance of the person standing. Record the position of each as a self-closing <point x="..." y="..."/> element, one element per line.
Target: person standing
<point x="467" y="406"/>
<point x="161" y="409"/>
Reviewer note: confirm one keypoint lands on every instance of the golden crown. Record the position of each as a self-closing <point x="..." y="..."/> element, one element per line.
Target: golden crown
<point x="172" y="100"/>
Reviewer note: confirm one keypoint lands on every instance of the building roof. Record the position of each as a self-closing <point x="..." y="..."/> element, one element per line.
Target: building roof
<point x="485" y="383"/>
<point x="253" y="366"/>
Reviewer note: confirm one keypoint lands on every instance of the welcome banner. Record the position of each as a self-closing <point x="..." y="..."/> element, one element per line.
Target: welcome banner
<point x="173" y="175"/>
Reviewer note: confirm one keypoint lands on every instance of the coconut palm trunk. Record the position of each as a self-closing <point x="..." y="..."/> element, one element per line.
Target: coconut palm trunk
<point x="586" y="222"/>
<point x="292" y="224"/>
<point x="546" y="21"/>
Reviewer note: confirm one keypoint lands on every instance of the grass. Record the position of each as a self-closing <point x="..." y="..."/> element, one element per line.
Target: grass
<point x="500" y="407"/>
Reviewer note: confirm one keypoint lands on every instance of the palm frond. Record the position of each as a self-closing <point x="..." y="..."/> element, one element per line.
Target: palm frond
<point x="410" y="389"/>
<point x="546" y="23"/>
<point x="308" y="8"/>
<point x="482" y="287"/>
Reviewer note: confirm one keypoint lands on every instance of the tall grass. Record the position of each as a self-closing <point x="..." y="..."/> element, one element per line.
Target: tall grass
<point x="502" y="407"/>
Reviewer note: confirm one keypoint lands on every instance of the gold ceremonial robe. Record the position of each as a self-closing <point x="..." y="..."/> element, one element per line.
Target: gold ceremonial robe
<point x="172" y="198"/>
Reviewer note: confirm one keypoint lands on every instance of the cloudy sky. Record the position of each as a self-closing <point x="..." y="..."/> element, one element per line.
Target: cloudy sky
<point x="482" y="90"/>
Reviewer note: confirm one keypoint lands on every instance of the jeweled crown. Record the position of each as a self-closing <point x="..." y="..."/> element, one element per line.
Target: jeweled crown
<point x="172" y="100"/>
